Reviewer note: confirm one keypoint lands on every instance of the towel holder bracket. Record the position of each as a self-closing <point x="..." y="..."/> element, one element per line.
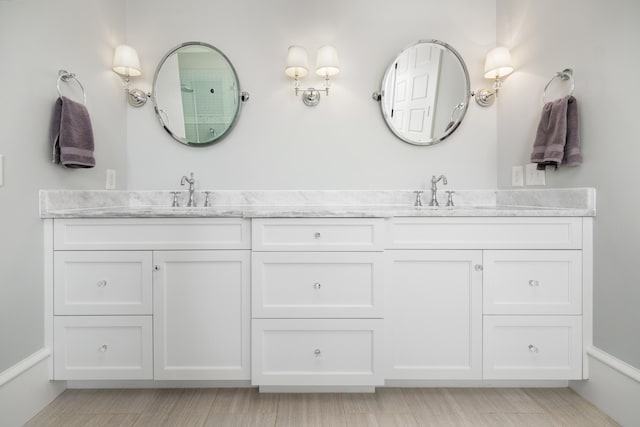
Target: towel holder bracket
<point x="66" y="76"/>
<point x="564" y="75"/>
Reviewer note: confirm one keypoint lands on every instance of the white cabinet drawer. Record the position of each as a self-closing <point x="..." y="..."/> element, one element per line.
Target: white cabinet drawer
<point x="152" y="233"/>
<point x="317" y="352"/>
<point x="102" y="347"/>
<point x="98" y="282"/>
<point x="318" y="234"/>
<point x="532" y="347"/>
<point x="485" y="233"/>
<point x="532" y="282"/>
<point x="317" y="284"/>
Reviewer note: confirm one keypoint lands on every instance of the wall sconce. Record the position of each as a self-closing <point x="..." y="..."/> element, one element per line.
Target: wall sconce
<point x="127" y="64"/>
<point x="298" y="66"/>
<point x="497" y="66"/>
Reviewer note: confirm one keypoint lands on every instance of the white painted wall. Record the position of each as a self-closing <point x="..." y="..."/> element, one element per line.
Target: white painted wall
<point x="279" y="143"/>
<point x="38" y="37"/>
<point x="600" y="41"/>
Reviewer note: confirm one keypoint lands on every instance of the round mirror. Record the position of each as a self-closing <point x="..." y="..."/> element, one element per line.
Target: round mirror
<point x="196" y="94"/>
<point x="425" y="93"/>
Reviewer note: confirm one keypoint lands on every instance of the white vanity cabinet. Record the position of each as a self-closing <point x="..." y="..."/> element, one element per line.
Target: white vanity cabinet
<point x="317" y="302"/>
<point x="490" y="298"/>
<point x="151" y="298"/>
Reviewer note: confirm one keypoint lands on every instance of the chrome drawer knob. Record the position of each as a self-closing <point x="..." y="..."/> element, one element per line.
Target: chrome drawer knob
<point x="534" y="283"/>
<point x="102" y="283"/>
<point x="156" y="268"/>
<point x="103" y="348"/>
<point x="478" y="267"/>
<point x="317" y="286"/>
<point x="317" y="235"/>
<point x="317" y="353"/>
<point x="533" y="348"/>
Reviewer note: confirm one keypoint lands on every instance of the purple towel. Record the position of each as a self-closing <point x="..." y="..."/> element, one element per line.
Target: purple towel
<point x="558" y="136"/>
<point x="71" y="135"/>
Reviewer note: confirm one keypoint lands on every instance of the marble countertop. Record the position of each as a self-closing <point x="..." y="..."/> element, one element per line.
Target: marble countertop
<point x="314" y="203"/>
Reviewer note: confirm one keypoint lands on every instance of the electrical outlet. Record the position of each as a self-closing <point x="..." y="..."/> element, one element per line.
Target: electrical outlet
<point x="111" y="179"/>
<point x="533" y="176"/>
<point x="517" y="176"/>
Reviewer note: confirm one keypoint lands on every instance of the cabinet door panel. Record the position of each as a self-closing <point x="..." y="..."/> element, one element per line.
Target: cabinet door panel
<point x="201" y="315"/>
<point x="102" y="282"/>
<point x="433" y="315"/>
<point x="533" y="282"/>
<point x="317" y="284"/>
<point x="102" y="348"/>
<point x="533" y="347"/>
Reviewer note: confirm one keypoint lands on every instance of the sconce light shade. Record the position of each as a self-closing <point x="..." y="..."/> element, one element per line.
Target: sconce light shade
<point x="297" y="62"/>
<point x="126" y="62"/>
<point x="327" y="61"/>
<point x="498" y="63"/>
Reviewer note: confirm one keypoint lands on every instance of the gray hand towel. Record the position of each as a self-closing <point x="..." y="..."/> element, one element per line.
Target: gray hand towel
<point x="572" y="149"/>
<point x="557" y="138"/>
<point x="72" y="135"/>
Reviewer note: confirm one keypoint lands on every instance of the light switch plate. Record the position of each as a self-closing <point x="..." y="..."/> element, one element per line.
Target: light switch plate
<point x="111" y="179"/>
<point x="533" y="176"/>
<point x="517" y="176"/>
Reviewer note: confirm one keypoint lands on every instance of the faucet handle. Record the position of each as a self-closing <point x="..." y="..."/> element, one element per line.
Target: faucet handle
<point x="174" y="203"/>
<point x="207" y="203"/>
<point x="418" y="201"/>
<point x="450" y="194"/>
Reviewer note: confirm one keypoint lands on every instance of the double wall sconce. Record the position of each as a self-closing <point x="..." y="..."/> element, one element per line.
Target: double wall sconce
<point x="497" y="66"/>
<point x="298" y="66"/>
<point x="127" y="64"/>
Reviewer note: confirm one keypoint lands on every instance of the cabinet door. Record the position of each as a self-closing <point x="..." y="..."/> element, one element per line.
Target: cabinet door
<point x="201" y="315"/>
<point x="433" y="314"/>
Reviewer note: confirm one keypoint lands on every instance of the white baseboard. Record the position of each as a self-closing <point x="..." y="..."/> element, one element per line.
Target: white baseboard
<point x="25" y="389"/>
<point x="613" y="386"/>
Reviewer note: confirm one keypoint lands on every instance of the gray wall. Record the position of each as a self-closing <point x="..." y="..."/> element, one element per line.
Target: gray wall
<point x="600" y="41"/>
<point x="38" y="37"/>
<point x="279" y="143"/>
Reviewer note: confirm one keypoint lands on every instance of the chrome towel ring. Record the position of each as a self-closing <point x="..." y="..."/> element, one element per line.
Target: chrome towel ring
<point x="65" y="76"/>
<point x="566" y="74"/>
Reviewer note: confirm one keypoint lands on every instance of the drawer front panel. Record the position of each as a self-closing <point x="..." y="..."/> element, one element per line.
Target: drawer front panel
<point x="317" y="284"/>
<point x="485" y="233"/>
<point x="102" y="282"/>
<point x="102" y="347"/>
<point x="533" y="347"/>
<point x="316" y="351"/>
<point x="532" y="282"/>
<point x="318" y="234"/>
<point x="152" y="233"/>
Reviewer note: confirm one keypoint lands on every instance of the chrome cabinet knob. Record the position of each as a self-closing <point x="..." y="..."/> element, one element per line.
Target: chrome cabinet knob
<point x="534" y="283"/>
<point x="478" y="267"/>
<point x="317" y="352"/>
<point x="103" y="348"/>
<point x="156" y="268"/>
<point x="533" y="348"/>
<point x="317" y="286"/>
<point x="102" y="283"/>
<point x="317" y="235"/>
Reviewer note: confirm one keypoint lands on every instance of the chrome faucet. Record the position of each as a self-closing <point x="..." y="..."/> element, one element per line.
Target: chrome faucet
<point x="434" y="189"/>
<point x="192" y="189"/>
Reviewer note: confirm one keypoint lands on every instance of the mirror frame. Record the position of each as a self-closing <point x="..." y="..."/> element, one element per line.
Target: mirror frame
<point x="379" y="96"/>
<point x="241" y="96"/>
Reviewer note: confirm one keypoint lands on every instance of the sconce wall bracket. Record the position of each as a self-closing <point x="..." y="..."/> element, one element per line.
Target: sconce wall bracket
<point x="485" y="97"/>
<point x="136" y="97"/>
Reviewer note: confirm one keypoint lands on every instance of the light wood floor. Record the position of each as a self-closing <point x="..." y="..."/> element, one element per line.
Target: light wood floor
<point x="404" y="407"/>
